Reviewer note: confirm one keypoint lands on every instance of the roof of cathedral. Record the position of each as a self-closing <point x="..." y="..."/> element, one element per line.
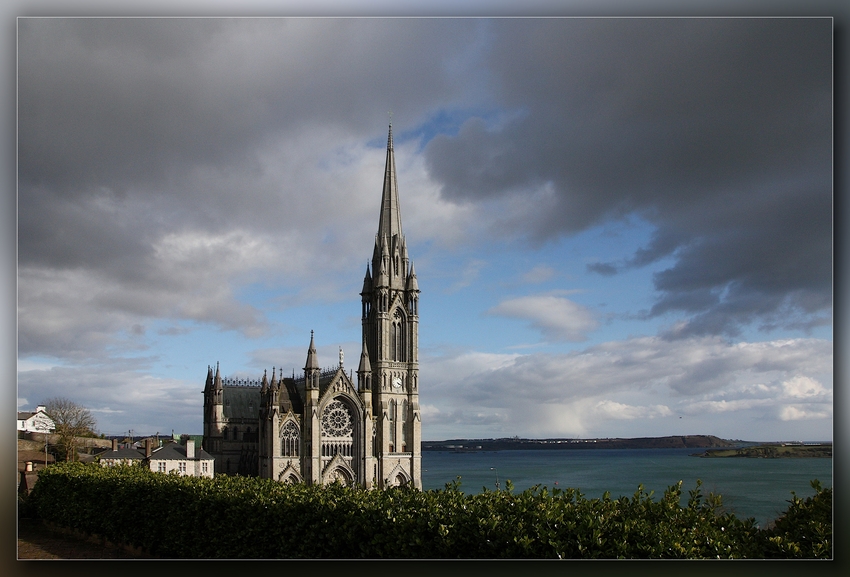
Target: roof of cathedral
<point x="241" y="402"/>
<point x="290" y="398"/>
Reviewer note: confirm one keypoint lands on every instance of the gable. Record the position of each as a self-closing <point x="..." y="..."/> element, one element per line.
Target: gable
<point x="339" y="384"/>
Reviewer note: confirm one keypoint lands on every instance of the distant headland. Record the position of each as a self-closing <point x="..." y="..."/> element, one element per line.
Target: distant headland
<point x="773" y="451"/>
<point x="514" y="443"/>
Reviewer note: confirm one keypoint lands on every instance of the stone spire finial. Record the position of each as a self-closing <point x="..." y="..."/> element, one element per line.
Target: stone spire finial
<point x="365" y="365"/>
<point x="341" y="357"/>
<point x="412" y="284"/>
<point x="367" y="281"/>
<point x="312" y="360"/>
<point x="209" y="383"/>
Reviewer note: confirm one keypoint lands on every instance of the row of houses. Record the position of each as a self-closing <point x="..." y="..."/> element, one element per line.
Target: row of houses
<point x="182" y="458"/>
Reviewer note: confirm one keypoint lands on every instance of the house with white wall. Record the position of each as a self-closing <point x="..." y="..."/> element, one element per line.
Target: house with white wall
<point x="37" y="421"/>
<point x="184" y="459"/>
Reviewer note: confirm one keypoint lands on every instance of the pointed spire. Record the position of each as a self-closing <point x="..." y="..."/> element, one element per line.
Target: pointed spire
<point x="365" y="365"/>
<point x="312" y="360"/>
<point x="209" y="384"/>
<point x="273" y="384"/>
<point x="412" y="284"/>
<point x="382" y="277"/>
<point x="403" y="249"/>
<point x="389" y="223"/>
<point x="265" y="385"/>
<point x="367" y="281"/>
<point x="217" y="381"/>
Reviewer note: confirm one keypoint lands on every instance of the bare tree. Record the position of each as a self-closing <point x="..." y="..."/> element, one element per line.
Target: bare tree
<point x="72" y="421"/>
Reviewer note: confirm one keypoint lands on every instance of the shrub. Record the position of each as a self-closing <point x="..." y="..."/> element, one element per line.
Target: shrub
<point x="804" y="530"/>
<point x="240" y="517"/>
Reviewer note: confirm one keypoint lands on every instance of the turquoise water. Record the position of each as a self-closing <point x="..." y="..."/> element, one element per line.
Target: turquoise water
<point x="759" y="488"/>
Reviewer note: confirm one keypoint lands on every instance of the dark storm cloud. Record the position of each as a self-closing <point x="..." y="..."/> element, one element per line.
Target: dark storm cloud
<point x="718" y="131"/>
<point x="104" y="102"/>
<point x="138" y="109"/>
<point x="149" y="148"/>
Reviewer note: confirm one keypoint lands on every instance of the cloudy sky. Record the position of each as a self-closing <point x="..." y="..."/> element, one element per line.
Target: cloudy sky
<point x="621" y="227"/>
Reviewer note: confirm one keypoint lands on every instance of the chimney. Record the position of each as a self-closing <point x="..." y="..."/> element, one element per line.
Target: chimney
<point x="147" y="448"/>
<point x="114" y="444"/>
<point x="190" y="448"/>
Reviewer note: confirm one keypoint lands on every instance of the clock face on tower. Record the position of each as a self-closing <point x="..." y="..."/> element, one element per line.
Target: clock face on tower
<point x="397" y="383"/>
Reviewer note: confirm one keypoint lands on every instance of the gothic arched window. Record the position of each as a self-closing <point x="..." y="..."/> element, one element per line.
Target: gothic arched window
<point x="404" y="424"/>
<point x="398" y="338"/>
<point x="290" y="438"/>
<point x="392" y="423"/>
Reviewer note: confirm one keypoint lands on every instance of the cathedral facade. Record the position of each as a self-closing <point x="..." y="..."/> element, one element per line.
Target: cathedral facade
<point x="322" y="426"/>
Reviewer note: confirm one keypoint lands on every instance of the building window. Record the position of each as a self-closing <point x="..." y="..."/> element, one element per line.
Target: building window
<point x="392" y="423"/>
<point x="205" y="467"/>
<point x="404" y="426"/>
<point x="182" y="467"/>
<point x="337" y="430"/>
<point x="160" y="467"/>
<point x="289" y="439"/>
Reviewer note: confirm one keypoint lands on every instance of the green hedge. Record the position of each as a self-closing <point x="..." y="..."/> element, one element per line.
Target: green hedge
<point x="239" y="517"/>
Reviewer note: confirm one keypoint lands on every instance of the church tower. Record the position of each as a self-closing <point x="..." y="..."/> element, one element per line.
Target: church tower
<point x="390" y="315"/>
<point x="319" y="428"/>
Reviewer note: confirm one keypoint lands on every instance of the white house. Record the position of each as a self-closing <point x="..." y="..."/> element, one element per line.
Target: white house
<point x="35" y="422"/>
<point x="184" y="459"/>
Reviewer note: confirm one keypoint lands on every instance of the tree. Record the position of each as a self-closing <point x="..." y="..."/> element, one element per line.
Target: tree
<point x="72" y="421"/>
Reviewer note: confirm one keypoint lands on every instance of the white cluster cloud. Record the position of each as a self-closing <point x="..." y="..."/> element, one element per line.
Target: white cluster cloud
<point x="558" y="318"/>
<point x="608" y="409"/>
<point x="642" y="380"/>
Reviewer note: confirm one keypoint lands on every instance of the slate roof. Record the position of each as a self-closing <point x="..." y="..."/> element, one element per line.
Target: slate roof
<point x="290" y="398"/>
<point x="175" y="452"/>
<point x="241" y="402"/>
<point x="122" y="453"/>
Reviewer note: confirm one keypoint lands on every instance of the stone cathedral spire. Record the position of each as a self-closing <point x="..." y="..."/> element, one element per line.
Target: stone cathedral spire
<point x="321" y="427"/>
<point x="391" y="342"/>
<point x="389" y="224"/>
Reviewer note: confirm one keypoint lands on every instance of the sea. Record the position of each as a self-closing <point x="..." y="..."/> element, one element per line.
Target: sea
<point x="758" y="488"/>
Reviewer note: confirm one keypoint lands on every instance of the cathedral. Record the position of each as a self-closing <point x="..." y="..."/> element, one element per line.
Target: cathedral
<point x="321" y="426"/>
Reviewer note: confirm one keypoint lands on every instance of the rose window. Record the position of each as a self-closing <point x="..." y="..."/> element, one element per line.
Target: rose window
<point x="337" y="421"/>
